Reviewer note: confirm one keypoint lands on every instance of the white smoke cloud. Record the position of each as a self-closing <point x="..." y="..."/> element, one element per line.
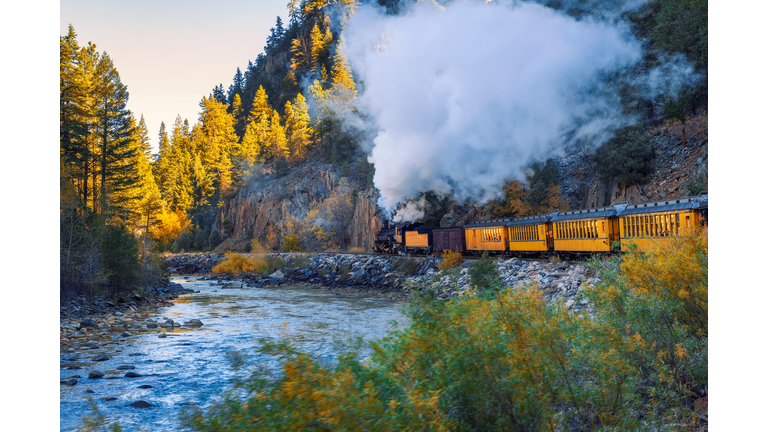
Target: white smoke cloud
<point x="465" y="96"/>
<point x="412" y="211"/>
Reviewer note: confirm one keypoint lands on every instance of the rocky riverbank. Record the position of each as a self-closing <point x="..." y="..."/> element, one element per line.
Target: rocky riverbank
<point x="92" y="330"/>
<point x="391" y="276"/>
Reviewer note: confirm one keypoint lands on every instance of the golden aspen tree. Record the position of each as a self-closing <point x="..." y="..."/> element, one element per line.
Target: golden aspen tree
<point x="341" y="75"/>
<point x="298" y="129"/>
<point x="277" y="146"/>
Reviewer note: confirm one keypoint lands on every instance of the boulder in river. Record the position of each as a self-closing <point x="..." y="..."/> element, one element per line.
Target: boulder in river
<point x="193" y="323"/>
<point x="125" y="334"/>
<point x="162" y="335"/>
<point x="100" y="357"/>
<point x="119" y="324"/>
<point x="152" y="325"/>
<point x="69" y="382"/>
<point x="126" y="367"/>
<point x="88" y="323"/>
<point x="171" y="323"/>
<point x="71" y="357"/>
<point x="132" y="375"/>
<point x="145" y="386"/>
<point x="95" y="374"/>
<point x="110" y="398"/>
<point x="141" y="404"/>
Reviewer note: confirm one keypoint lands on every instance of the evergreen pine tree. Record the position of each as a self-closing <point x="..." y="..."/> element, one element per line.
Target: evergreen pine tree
<point x="114" y="131"/>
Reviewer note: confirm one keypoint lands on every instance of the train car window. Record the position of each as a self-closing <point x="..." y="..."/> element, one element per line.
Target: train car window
<point x="656" y="226"/>
<point x="603" y="226"/>
<point x="646" y="229"/>
<point x="677" y="224"/>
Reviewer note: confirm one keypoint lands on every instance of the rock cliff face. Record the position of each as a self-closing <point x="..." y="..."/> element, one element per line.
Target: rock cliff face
<point x="270" y="208"/>
<point x="367" y="221"/>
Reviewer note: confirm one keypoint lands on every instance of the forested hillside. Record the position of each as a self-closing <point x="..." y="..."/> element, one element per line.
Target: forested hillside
<point x="295" y="109"/>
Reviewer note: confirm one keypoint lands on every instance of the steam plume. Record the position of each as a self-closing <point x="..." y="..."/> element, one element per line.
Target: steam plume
<point x="466" y="96"/>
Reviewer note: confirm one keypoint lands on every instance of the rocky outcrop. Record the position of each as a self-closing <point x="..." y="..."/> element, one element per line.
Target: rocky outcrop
<point x="265" y="209"/>
<point x="271" y="208"/>
<point x="367" y="221"/>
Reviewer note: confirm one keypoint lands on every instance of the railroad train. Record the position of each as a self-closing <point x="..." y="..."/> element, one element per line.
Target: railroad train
<point x="601" y="230"/>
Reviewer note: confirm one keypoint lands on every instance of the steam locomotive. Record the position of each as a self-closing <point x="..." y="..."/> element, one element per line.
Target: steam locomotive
<point x="600" y="230"/>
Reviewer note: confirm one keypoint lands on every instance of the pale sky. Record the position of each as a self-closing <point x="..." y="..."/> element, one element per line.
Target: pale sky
<point x="171" y="53"/>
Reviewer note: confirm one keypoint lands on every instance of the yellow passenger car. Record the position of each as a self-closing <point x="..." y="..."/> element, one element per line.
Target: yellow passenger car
<point x="486" y="235"/>
<point x="648" y="223"/>
<point x="528" y="234"/>
<point x="584" y="230"/>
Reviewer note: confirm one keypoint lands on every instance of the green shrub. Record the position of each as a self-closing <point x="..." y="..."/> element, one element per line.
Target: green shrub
<point x="344" y="271"/>
<point x="483" y="275"/>
<point x="175" y="247"/>
<point x="121" y="257"/>
<point x="215" y="238"/>
<point x="658" y="300"/>
<point x="409" y="266"/>
<point x="201" y="239"/>
<point x="511" y="361"/>
<point x="301" y="262"/>
<point x="185" y="242"/>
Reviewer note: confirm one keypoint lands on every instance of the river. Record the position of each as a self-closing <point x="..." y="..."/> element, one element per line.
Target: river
<point x="195" y="365"/>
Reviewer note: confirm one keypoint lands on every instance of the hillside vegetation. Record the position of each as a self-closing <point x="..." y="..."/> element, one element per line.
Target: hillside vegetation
<point x="120" y="204"/>
<point x="505" y="359"/>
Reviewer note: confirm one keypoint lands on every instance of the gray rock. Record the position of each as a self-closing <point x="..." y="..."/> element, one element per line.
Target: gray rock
<point x="145" y="386"/>
<point x="88" y="323"/>
<point x="100" y="357"/>
<point x="69" y="382"/>
<point x="125" y="334"/>
<point x="71" y="357"/>
<point x="132" y="375"/>
<point x="153" y="325"/>
<point x="95" y="374"/>
<point x="119" y="324"/>
<point x="569" y="303"/>
<point x="193" y="323"/>
<point x="109" y="399"/>
<point x="141" y="404"/>
<point x="126" y="367"/>
<point x="162" y="335"/>
<point x="277" y="275"/>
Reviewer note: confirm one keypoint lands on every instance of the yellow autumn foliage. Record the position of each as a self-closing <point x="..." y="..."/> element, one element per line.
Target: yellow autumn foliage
<point x="451" y="259"/>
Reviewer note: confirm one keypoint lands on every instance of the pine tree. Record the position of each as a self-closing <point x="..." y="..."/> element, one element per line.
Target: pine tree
<point x="218" y="143"/>
<point x="202" y="184"/>
<point x="297" y="127"/>
<point x="277" y="147"/>
<point x="181" y="168"/>
<point x="343" y="85"/>
<point x="113" y="129"/>
<point x="237" y="112"/>
<point x="320" y="44"/>
<point x="295" y="12"/>
<point x="163" y="165"/>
